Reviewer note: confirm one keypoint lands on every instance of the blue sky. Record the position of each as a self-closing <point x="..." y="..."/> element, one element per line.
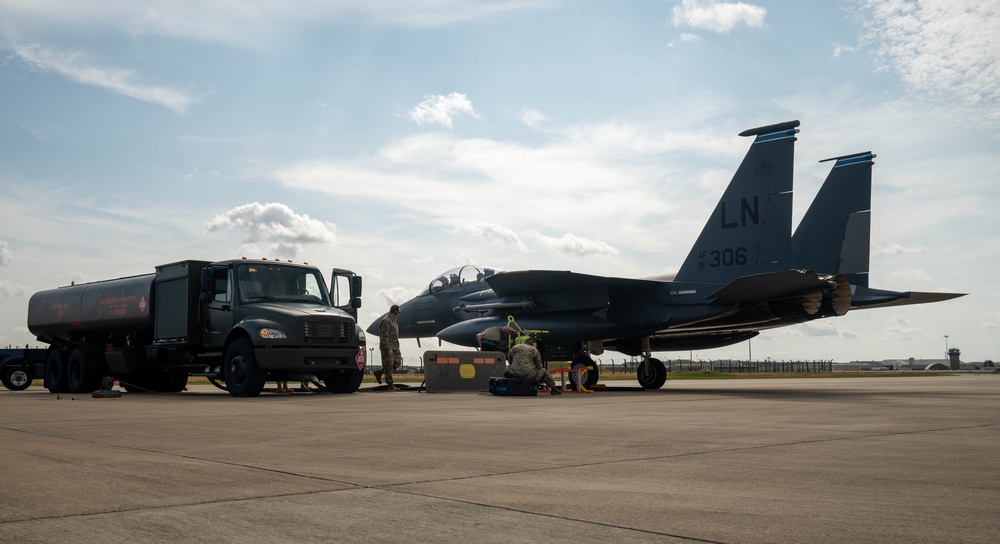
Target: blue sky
<point x="401" y="139"/>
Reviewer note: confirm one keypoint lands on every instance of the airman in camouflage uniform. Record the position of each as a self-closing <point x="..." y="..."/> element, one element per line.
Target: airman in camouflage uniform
<point x="526" y="362"/>
<point x="388" y="346"/>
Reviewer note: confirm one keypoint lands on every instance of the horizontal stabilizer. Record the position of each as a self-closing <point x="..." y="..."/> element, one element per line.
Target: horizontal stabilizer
<point x="769" y="286"/>
<point x="865" y="298"/>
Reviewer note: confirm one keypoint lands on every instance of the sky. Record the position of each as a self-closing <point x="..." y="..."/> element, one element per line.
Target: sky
<point x="401" y="138"/>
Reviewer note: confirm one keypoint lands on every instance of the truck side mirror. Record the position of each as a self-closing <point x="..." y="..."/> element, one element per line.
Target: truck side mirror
<point x="356" y="290"/>
<point x="355" y="302"/>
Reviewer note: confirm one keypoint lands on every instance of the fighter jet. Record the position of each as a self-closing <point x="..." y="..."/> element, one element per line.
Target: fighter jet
<point x="745" y="273"/>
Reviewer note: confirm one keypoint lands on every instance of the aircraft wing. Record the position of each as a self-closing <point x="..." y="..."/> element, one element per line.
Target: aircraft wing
<point x="529" y="282"/>
<point x="769" y="286"/>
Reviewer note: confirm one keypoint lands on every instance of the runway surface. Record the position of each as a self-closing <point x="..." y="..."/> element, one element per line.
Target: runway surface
<point x="781" y="460"/>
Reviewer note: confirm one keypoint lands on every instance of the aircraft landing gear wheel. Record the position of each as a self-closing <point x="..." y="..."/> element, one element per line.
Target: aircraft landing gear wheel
<point x="588" y="377"/>
<point x="16" y="378"/>
<point x="651" y="374"/>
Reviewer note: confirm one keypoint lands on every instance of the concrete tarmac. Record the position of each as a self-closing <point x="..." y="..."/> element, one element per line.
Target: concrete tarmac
<point x="780" y="460"/>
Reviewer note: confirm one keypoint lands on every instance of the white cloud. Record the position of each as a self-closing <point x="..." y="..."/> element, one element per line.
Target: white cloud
<point x="571" y="244"/>
<point x="441" y="109"/>
<point x="946" y="48"/>
<point x="990" y="326"/>
<point x="839" y="49"/>
<point x="75" y="66"/>
<point x="592" y="171"/>
<point x="896" y="249"/>
<point x="246" y="22"/>
<point x="718" y="16"/>
<point x="10" y="289"/>
<point x="568" y="243"/>
<point x="492" y="232"/>
<point x="276" y="224"/>
<point x="533" y="118"/>
<point x="900" y="328"/>
<point x="909" y="276"/>
<point x="5" y="254"/>
<point x="395" y="295"/>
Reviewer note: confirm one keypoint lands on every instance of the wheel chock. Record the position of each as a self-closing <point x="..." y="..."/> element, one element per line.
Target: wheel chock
<point x="106" y="393"/>
<point x="579" y="383"/>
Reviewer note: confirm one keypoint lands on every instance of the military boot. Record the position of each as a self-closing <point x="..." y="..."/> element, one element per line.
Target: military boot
<point x="378" y="376"/>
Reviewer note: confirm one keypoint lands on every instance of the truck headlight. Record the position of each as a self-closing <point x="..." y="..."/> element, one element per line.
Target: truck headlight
<point x="361" y="336"/>
<point x="272" y="334"/>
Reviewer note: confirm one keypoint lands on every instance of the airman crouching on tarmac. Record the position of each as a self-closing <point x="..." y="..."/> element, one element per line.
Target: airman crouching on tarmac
<point x="526" y="362"/>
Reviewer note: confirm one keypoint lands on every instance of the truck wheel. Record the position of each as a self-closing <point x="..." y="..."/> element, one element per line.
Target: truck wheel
<point x="343" y="381"/>
<point x="55" y="373"/>
<point x="651" y="375"/>
<point x="171" y="382"/>
<point x="16" y="378"/>
<point x="243" y="378"/>
<point x="82" y="374"/>
<point x="220" y="384"/>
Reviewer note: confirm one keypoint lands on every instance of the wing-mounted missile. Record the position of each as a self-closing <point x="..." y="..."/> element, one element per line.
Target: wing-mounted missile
<point x="487" y="306"/>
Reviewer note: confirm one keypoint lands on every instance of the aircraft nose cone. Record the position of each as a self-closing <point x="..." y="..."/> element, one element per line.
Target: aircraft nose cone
<point x="373" y="328"/>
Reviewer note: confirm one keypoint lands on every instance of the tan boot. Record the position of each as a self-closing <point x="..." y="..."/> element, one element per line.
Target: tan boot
<point x="391" y="387"/>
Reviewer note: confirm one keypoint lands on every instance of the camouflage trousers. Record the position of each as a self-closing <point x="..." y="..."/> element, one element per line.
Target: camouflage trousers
<point x="532" y="373"/>
<point x="390" y="364"/>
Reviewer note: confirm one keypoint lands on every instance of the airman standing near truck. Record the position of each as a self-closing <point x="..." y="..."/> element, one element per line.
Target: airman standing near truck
<point x="388" y="346"/>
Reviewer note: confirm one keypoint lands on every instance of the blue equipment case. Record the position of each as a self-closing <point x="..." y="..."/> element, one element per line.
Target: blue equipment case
<point x="513" y="387"/>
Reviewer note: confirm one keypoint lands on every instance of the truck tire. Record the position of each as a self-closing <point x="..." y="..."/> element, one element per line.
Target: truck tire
<point x="171" y="382"/>
<point x="82" y="372"/>
<point x="343" y="381"/>
<point x="15" y="376"/>
<point x="243" y="377"/>
<point x="55" y="373"/>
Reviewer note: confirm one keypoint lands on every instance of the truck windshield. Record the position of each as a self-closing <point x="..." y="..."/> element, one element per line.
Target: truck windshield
<point x="275" y="282"/>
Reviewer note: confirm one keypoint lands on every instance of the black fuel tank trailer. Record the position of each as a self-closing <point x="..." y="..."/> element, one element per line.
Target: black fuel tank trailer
<point x="237" y="322"/>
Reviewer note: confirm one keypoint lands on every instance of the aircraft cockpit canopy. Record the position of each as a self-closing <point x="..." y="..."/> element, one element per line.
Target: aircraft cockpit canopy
<point x="460" y="276"/>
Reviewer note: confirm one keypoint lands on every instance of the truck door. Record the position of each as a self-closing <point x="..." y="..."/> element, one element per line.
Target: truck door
<point x="220" y="311"/>
<point x="345" y="291"/>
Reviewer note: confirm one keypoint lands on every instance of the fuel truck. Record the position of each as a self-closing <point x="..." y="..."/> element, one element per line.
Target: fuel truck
<point x="239" y="322"/>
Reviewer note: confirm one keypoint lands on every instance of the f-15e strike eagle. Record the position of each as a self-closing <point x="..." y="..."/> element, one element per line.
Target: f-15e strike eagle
<point x="746" y="272"/>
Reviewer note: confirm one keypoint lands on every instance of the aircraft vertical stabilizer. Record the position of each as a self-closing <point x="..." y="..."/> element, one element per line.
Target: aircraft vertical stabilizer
<point x="835" y="233"/>
<point x="749" y="232"/>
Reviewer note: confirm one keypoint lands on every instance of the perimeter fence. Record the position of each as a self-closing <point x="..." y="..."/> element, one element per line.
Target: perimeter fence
<point x="629" y="365"/>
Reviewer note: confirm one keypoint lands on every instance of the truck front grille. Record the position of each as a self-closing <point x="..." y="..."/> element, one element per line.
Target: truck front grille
<point x="326" y="331"/>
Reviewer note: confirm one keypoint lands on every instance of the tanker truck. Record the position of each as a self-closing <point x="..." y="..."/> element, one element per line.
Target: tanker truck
<point x="237" y="322"/>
